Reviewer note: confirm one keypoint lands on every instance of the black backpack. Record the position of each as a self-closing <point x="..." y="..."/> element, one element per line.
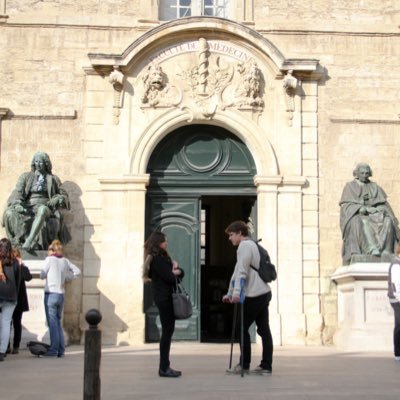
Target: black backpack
<point x="37" y="348"/>
<point x="266" y="269"/>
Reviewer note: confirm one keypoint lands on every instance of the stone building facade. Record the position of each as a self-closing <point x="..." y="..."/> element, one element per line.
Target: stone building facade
<point x="293" y="93"/>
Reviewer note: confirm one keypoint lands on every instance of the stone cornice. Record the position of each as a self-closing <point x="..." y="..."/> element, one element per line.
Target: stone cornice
<point x="124" y="183"/>
<point x="192" y="27"/>
<point x="267" y="180"/>
<point x="361" y="271"/>
<point x="365" y="118"/>
<point x="3" y="112"/>
<point x="280" y="181"/>
<point x="36" y="113"/>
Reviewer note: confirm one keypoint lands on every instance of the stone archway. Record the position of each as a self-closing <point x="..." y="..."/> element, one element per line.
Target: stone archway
<point x="207" y="71"/>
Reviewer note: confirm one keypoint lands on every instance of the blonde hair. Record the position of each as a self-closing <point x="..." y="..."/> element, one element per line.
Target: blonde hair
<point x="146" y="268"/>
<point x="55" y="247"/>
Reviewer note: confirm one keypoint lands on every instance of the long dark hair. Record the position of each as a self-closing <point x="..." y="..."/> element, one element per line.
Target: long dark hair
<point x="6" y="254"/>
<point x="151" y="249"/>
<point x="152" y="244"/>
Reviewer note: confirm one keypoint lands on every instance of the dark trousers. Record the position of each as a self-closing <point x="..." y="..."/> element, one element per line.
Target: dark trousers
<point x="396" y="331"/>
<point x="17" y="325"/>
<point x="255" y="309"/>
<point x="167" y="319"/>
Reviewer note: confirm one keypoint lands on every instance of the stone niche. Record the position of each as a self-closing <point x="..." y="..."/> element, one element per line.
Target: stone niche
<point x="365" y="317"/>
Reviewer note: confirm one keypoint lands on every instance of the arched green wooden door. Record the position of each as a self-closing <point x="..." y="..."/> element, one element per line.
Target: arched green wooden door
<point x="191" y="162"/>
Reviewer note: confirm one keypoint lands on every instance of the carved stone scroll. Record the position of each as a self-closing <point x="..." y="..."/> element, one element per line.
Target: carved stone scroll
<point x="289" y="86"/>
<point x="116" y="78"/>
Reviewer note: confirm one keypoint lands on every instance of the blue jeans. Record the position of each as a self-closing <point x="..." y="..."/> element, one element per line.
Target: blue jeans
<point x="7" y="309"/>
<point x="53" y="305"/>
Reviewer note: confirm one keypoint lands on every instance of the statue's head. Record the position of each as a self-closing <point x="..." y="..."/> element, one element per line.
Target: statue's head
<point x="41" y="157"/>
<point x="362" y="172"/>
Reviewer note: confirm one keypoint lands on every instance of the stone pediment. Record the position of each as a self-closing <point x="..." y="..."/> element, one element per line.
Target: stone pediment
<point x="200" y="65"/>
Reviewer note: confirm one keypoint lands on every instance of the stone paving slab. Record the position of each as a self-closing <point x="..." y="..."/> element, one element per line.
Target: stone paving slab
<point x="300" y="373"/>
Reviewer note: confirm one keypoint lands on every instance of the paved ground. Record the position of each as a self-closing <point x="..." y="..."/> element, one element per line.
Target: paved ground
<point x="131" y="373"/>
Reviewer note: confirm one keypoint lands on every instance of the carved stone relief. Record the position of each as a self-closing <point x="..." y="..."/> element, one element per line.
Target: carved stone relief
<point x="289" y="86"/>
<point x="116" y="78"/>
<point x="205" y="83"/>
<point x="157" y="92"/>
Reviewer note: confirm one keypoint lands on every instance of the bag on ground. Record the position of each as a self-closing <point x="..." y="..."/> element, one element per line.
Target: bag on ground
<point x="266" y="270"/>
<point x="181" y="302"/>
<point x="37" y="348"/>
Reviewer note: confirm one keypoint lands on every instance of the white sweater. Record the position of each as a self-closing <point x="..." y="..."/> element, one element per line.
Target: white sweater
<point x="396" y="281"/>
<point x="56" y="271"/>
<point x="247" y="254"/>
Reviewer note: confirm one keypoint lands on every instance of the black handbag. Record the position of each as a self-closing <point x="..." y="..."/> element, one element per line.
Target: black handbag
<point x="181" y="302"/>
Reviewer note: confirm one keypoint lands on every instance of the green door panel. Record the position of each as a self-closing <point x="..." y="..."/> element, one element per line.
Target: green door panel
<point x="178" y="218"/>
<point x="203" y="159"/>
<point x="189" y="163"/>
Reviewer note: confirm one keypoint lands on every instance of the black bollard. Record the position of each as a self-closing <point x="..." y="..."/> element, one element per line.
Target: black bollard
<point x="91" y="380"/>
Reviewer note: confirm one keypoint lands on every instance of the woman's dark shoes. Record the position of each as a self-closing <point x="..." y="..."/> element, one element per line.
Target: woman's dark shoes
<point x="169" y="373"/>
<point x="2" y="355"/>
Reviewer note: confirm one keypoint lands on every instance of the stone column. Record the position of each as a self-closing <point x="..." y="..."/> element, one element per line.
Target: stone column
<point x="291" y="258"/>
<point x="3" y="16"/>
<point x="120" y="280"/>
<point x="267" y="230"/>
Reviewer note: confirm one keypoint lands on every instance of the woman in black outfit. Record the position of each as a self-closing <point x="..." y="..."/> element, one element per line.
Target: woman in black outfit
<point x="10" y="279"/>
<point x="162" y="272"/>
<point x="22" y="303"/>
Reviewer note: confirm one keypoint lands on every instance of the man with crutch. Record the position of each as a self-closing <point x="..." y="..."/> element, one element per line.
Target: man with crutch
<point x="256" y="295"/>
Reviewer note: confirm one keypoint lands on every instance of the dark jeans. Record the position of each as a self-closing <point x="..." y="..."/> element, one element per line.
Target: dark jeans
<point x="396" y="331"/>
<point x="255" y="309"/>
<point x="167" y="319"/>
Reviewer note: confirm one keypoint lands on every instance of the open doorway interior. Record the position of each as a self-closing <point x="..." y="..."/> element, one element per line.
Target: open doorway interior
<point x="218" y="258"/>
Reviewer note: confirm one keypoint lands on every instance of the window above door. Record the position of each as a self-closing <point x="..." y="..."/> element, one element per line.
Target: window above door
<point x="173" y="9"/>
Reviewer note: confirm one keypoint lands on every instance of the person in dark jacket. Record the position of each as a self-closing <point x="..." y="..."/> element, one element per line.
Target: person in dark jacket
<point x="22" y="303"/>
<point x="8" y="292"/>
<point x="163" y="273"/>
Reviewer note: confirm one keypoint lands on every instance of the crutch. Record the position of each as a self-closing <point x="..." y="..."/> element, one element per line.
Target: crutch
<point x="233" y="332"/>
<point x="242" y="282"/>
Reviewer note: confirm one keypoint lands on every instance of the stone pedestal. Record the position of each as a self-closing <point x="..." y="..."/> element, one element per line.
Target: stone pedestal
<point x="365" y="317"/>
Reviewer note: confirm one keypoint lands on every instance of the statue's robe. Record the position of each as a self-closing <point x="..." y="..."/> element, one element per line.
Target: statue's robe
<point x="366" y="234"/>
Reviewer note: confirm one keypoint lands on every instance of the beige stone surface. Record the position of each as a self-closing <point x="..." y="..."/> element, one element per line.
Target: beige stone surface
<point x="62" y="102"/>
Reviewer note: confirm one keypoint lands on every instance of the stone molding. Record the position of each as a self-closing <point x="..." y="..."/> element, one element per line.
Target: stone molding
<point x="55" y="113"/>
<point x="359" y="271"/>
<point x="3" y="112"/>
<point x="358" y="118"/>
<point x="105" y="62"/>
<point x="247" y="130"/>
<point x="128" y="183"/>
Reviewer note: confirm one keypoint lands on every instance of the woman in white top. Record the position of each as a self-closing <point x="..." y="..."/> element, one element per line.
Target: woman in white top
<point x="56" y="270"/>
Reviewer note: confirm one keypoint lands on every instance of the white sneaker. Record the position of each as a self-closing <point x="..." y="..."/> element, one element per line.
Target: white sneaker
<point x="261" y="371"/>
<point x="237" y="370"/>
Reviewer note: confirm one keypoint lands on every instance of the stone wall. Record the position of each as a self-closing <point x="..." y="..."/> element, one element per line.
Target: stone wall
<point x="44" y="50"/>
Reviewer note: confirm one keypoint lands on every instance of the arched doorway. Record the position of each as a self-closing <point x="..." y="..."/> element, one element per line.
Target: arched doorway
<point x="201" y="179"/>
